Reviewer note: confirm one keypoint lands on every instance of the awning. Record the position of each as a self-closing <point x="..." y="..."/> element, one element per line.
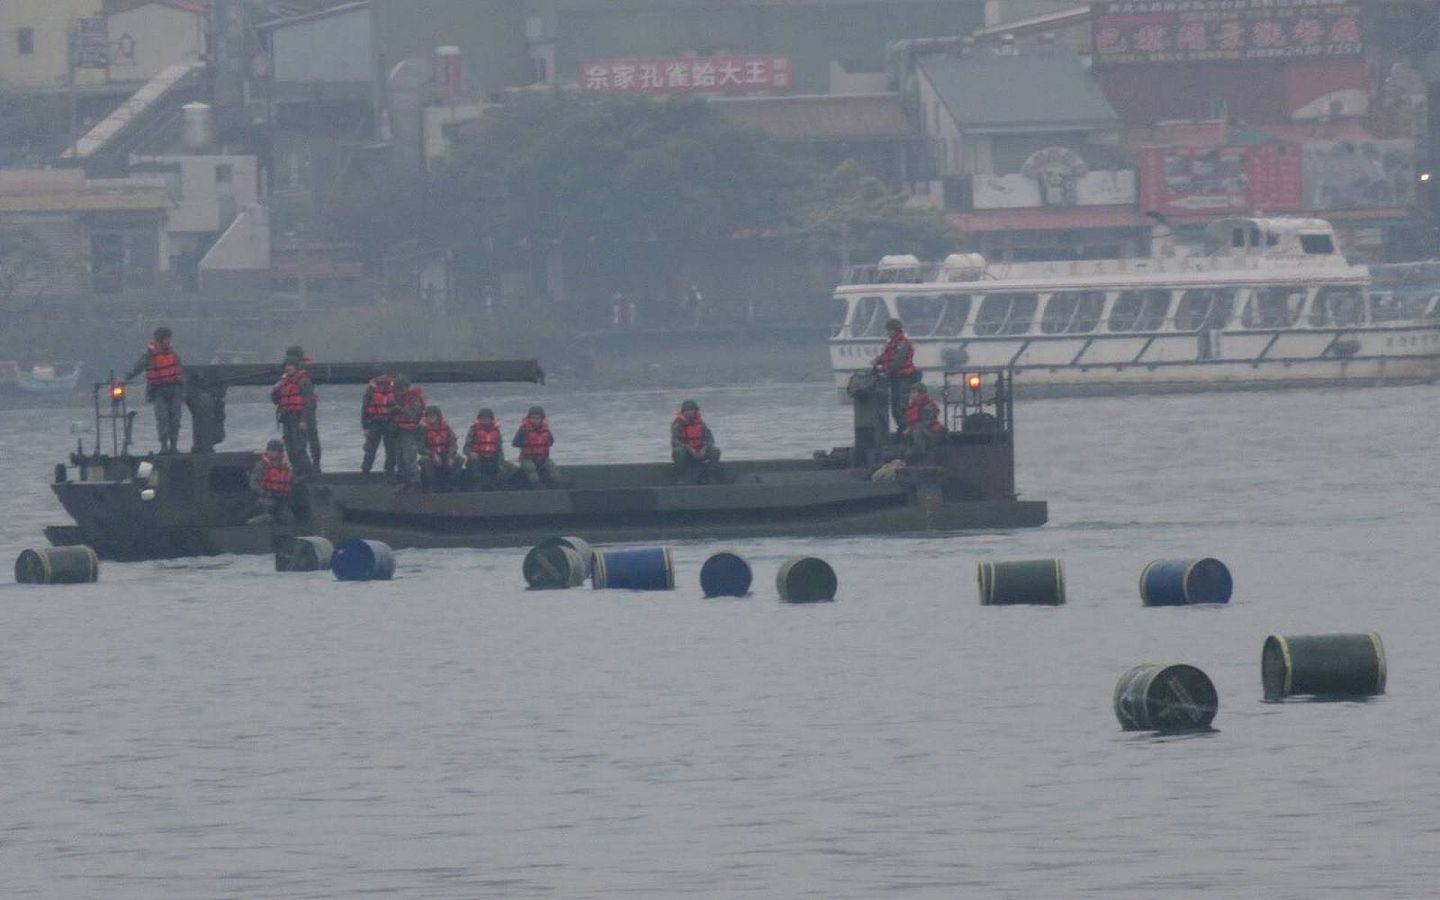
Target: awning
<point x="1049" y="218"/>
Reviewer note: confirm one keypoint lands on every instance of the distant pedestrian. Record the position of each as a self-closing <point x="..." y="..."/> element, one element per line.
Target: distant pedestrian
<point x="164" y="386"/>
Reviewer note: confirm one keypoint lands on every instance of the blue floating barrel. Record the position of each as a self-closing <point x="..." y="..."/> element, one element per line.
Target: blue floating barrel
<point x="725" y="574"/>
<point x="648" y="569"/>
<point x="1323" y="665"/>
<point x="579" y="545"/>
<point x="553" y="567"/>
<point x="805" y="579"/>
<point x="1178" y="582"/>
<point x="359" y="560"/>
<point x="57" y="565"/>
<point x="304" y="554"/>
<point x="1033" y="581"/>
<point x="1165" y="698"/>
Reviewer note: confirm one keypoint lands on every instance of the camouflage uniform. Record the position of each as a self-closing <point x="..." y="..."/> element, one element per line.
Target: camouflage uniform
<point x="489" y="474"/>
<point x="167" y="400"/>
<point x="292" y="424"/>
<point x="689" y="467"/>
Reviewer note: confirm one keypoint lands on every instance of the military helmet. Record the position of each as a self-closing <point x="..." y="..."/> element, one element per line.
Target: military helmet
<point x="432" y="408"/>
<point x="920" y="388"/>
<point x="274" y="444"/>
<point x="484" y="412"/>
<point x="536" y="411"/>
<point x="162" y="332"/>
<point x="689" y="405"/>
<point x="893" y="325"/>
<point x="402" y="381"/>
<point x="295" y="352"/>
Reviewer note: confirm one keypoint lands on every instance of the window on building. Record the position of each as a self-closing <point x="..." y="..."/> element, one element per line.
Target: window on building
<point x="25" y="41"/>
<point x="224" y="173"/>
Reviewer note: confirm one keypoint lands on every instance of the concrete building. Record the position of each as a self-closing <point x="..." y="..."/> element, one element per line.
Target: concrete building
<point x="35" y="43"/>
<point x="146" y="38"/>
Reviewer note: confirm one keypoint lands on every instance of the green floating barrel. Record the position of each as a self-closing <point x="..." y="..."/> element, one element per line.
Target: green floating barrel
<point x="579" y="545"/>
<point x="805" y="579"/>
<point x="304" y="554"/>
<point x="1165" y="698"/>
<point x="1180" y="582"/>
<point x="57" y="565"/>
<point x="553" y="567"/>
<point x="1034" y="581"/>
<point x="1323" y="665"/>
<point x="725" y="574"/>
<point x="645" y="569"/>
<point x="360" y="560"/>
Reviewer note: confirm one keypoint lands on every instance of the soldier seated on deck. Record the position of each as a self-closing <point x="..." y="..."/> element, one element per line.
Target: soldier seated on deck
<point x="534" y="440"/>
<point x="272" y="482"/>
<point x="923" y="428"/>
<point x="439" y="456"/>
<point x="692" y="447"/>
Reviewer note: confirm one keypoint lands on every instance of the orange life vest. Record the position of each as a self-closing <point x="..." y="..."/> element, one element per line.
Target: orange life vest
<point x="917" y="407"/>
<point x="692" y="433"/>
<point x="438" y="437"/>
<point x="287" y="396"/>
<point x="537" y="439"/>
<point x="164" y="366"/>
<point x="485" y="441"/>
<point x="890" y="356"/>
<point x="412" y="409"/>
<point x="382" y="395"/>
<point x="276" y="478"/>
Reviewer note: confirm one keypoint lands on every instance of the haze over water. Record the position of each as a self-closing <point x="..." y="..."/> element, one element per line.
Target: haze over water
<point x="209" y="728"/>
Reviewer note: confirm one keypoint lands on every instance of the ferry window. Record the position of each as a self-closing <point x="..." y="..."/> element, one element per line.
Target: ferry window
<point x="956" y="314"/>
<point x="1317" y="243"/>
<point x="1021" y="312"/>
<point x="1139" y="310"/>
<point x="1059" y="310"/>
<point x="1277" y="306"/>
<point x="1237" y="238"/>
<point x="839" y="310"/>
<point x="991" y="317"/>
<point x="1398" y="307"/>
<point x="1088" y="312"/>
<point x="920" y="313"/>
<point x="869" y="317"/>
<point x="1337" y="306"/>
<point x="1207" y="308"/>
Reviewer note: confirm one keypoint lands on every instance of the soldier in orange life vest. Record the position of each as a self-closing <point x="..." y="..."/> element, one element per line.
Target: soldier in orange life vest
<point x="439" y="457"/>
<point x="897" y="363"/>
<point x="164" y="386"/>
<point x="534" y="439"/>
<point x="290" y="395"/>
<point x="923" y="428"/>
<point x="272" y="482"/>
<point x="692" y="446"/>
<point x="408" y="417"/>
<point x="296" y="354"/>
<point x="375" y="413"/>
<point x="485" y="451"/>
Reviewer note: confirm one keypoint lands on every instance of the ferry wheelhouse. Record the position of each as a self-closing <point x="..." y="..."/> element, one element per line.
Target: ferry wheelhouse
<point x="1273" y="303"/>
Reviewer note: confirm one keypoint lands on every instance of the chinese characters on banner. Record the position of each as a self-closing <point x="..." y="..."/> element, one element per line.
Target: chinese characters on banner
<point x="688" y="75"/>
<point x="1221" y="180"/>
<point x="1151" y="31"/>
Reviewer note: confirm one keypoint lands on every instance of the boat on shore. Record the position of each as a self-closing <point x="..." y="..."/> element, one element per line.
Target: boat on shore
<point x="129" y="507"/>
<point x="1273" y="304"/>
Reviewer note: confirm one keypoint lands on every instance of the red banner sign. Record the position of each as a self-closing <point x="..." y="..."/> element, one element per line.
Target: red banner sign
<point x="1151" y="31"/>
<point x="1221" y="180"/>
<point x="688" y="75"/>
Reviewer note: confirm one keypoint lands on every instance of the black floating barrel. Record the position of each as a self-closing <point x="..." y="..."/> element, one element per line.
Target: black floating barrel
<point x="579" y="545"/>
<point x="57" y="565"/>
<point x="1034" y="581"/>
<point x="553" y="567"/>
<point x="1165" y="698"/>
<point x="360" y="560"/>
<point x="1323" y="665"/>
<point x="805" y="579"/>
<point x="304" y="554"/>
<point x="1179" y="582"/>
<point x="645" y="569"/>
<point x="725" y="574"/>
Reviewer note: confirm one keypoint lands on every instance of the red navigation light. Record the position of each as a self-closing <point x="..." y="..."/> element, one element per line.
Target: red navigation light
<point x="973" y="381"/>
<point x="117" y="391"/>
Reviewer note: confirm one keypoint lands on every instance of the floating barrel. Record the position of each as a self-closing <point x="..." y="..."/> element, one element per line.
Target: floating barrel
<point x="304" y="554"/>
<point x="649" y="569"/>
<point x="363" y="561"/>
<point x="1165" y="698"/>
<point x="1177" y="582"/>
<point x="553" y="566"/>
<point x="1040" y="581"/>
<point x="805" y="579"/>
<point x="1325" y="665"/>
<point x="579" y="545"/>
<point x="725" y="575"/>
<point x="57" y="565"/>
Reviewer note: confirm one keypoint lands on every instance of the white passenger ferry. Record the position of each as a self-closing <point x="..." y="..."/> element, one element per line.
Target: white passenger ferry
<point x="1273" y="304"/>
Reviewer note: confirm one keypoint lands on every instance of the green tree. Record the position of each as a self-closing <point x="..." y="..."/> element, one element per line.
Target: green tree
<point x="854" y="215"/>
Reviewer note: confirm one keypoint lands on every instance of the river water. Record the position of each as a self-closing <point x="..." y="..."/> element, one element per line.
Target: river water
<point x="208" y="728"/>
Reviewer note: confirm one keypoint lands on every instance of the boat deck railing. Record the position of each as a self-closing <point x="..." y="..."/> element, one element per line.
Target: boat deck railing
<point x="979" y="400"/>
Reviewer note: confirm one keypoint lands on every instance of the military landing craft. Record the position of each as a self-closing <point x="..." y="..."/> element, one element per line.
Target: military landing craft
<point x="130" y="507"/>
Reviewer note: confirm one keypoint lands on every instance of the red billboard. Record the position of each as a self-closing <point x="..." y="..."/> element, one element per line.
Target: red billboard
<point x="1221" y="180"/>
<point x="688" y="75"/>
<point x="1160" y="31"/>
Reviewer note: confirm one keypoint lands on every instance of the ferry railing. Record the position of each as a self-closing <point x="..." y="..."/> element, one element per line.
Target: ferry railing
<point x="980" y="399"/>
<point x="115" y="410"/>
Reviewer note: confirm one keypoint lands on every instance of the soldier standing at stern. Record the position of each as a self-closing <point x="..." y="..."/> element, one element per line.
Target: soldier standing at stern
<point x="164" y="386"/>
<point x="291" y="395"/>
